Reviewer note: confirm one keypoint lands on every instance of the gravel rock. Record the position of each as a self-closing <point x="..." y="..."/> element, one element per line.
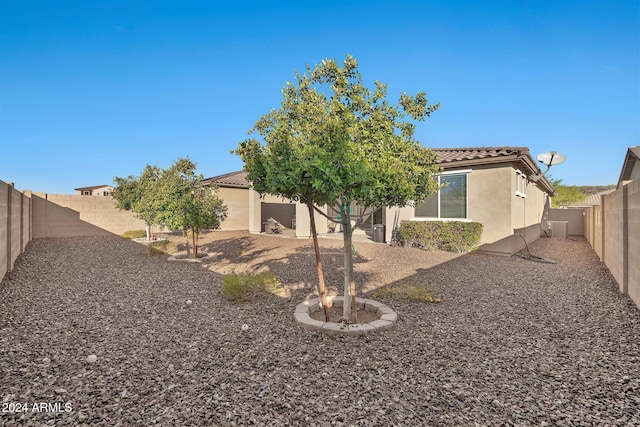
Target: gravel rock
<point x="513" y="342"/>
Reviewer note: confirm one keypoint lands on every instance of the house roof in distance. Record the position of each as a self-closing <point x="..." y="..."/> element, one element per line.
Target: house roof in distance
<point x="631" y="165"/>
<point x="236" y="179"/>
<point x="93" y="187"/>
<point x="591" y="200"/>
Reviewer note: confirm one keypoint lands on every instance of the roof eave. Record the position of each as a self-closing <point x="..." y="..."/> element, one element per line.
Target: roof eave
<point x="523" y="158"/>
<point x="627" y="167"/>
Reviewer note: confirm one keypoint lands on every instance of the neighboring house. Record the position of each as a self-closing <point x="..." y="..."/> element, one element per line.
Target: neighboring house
<point x="500" y="187"/>
<point x="588" y="201"/>
<point x="630" y="167"/>
<point x="96" y="190"/>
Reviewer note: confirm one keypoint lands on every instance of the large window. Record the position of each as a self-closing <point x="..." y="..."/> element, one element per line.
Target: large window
<point x="450" y="202"/>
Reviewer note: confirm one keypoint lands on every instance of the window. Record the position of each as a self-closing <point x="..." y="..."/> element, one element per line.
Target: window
<point x="450" y="202"/>
<point x="521" y="184"/>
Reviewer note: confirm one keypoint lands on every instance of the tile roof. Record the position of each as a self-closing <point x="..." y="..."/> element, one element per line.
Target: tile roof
<point x="448" y="155"/>
<point x="236" y="179"/>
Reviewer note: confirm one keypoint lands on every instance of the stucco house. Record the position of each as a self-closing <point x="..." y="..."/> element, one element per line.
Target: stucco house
<point x="96" y="190"/>
<point x="501" y="187"/>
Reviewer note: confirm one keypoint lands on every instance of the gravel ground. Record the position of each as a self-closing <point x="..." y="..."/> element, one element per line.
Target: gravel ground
<point x="513" y="342"/>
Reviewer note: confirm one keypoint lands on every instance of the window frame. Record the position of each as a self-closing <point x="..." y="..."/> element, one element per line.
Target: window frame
<point x="521" y="184"/>
<point x="465" y="173"/>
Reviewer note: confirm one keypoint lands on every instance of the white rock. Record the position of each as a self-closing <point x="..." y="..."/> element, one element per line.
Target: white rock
<point x="91" y="359"/>
<point x="245" y="327"/>
<point x="189" y="302"/>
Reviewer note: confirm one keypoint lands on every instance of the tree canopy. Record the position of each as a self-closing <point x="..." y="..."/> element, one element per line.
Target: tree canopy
<point x="139" y="195"/>
<point x="335" y="142"/>
<point x="566" y="194"/>
<point x="175" y="198"/>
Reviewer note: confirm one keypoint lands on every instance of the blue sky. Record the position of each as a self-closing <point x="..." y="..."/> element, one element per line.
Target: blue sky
<point x="90" y="90"/>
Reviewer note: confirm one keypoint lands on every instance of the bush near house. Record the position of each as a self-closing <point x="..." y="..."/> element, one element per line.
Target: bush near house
<point x="452" y="236"/>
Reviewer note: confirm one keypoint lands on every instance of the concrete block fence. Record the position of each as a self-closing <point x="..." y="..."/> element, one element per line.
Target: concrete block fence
<point x="26" y="215"/>
<point x="613" y="230"/>
<point x="15" y="225"/>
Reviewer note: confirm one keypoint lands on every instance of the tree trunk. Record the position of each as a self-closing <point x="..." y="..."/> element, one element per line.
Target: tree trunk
<point x="147" y="228"/>
<point x="186" y="235"/>
<point x="349" y="309"/>
<point x="321" y="288"/>
<point x="195" y="244"/>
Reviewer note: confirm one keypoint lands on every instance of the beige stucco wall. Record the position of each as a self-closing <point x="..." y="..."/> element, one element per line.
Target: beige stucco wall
<point x="303" y="223"/>
<point x="237" y="202"/>
<point x="489" y="202"/>
<point x="505" y="215"/>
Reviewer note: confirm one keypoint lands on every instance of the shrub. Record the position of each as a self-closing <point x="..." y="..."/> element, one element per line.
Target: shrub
<point x="134" y="234"/>
<point x="161" y="247"/>
<point x="238" y="287"/>
<point x="453" y="236"/>
<point x="408" y="291"/>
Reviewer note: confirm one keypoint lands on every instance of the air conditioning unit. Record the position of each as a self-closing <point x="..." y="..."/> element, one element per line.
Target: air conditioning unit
<point x="559" y="229"/>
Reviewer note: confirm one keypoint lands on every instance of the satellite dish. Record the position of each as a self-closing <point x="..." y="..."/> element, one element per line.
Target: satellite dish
<point x="551" y="158"/>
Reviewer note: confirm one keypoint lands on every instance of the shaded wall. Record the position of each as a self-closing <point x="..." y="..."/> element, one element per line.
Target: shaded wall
<point x="61" y="215"/>
<point x="574" y="216"/>
<point x="15" y="225"/>
<point x="613" y="230"/>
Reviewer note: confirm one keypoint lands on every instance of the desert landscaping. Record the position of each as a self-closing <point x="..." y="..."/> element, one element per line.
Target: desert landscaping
<point x="512" y="342"/>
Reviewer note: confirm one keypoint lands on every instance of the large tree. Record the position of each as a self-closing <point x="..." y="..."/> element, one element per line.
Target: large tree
<point x="334" y="142"/>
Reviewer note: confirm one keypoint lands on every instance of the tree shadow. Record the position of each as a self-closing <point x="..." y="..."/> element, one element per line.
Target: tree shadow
<point x="297" y="271"/>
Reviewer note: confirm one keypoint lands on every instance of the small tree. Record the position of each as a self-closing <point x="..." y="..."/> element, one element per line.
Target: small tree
<point x="139" y="195"/>
<point x="185" y="204"/>
<point x="566" y="194"/>
<point x="175" y="198"/>
<point x="334" y="142"/>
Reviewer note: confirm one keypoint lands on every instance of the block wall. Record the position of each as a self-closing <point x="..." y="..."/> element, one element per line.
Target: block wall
<point x="61" y="215"/>
<point x="15" y="225"/>
<point x="613" y="230"/>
